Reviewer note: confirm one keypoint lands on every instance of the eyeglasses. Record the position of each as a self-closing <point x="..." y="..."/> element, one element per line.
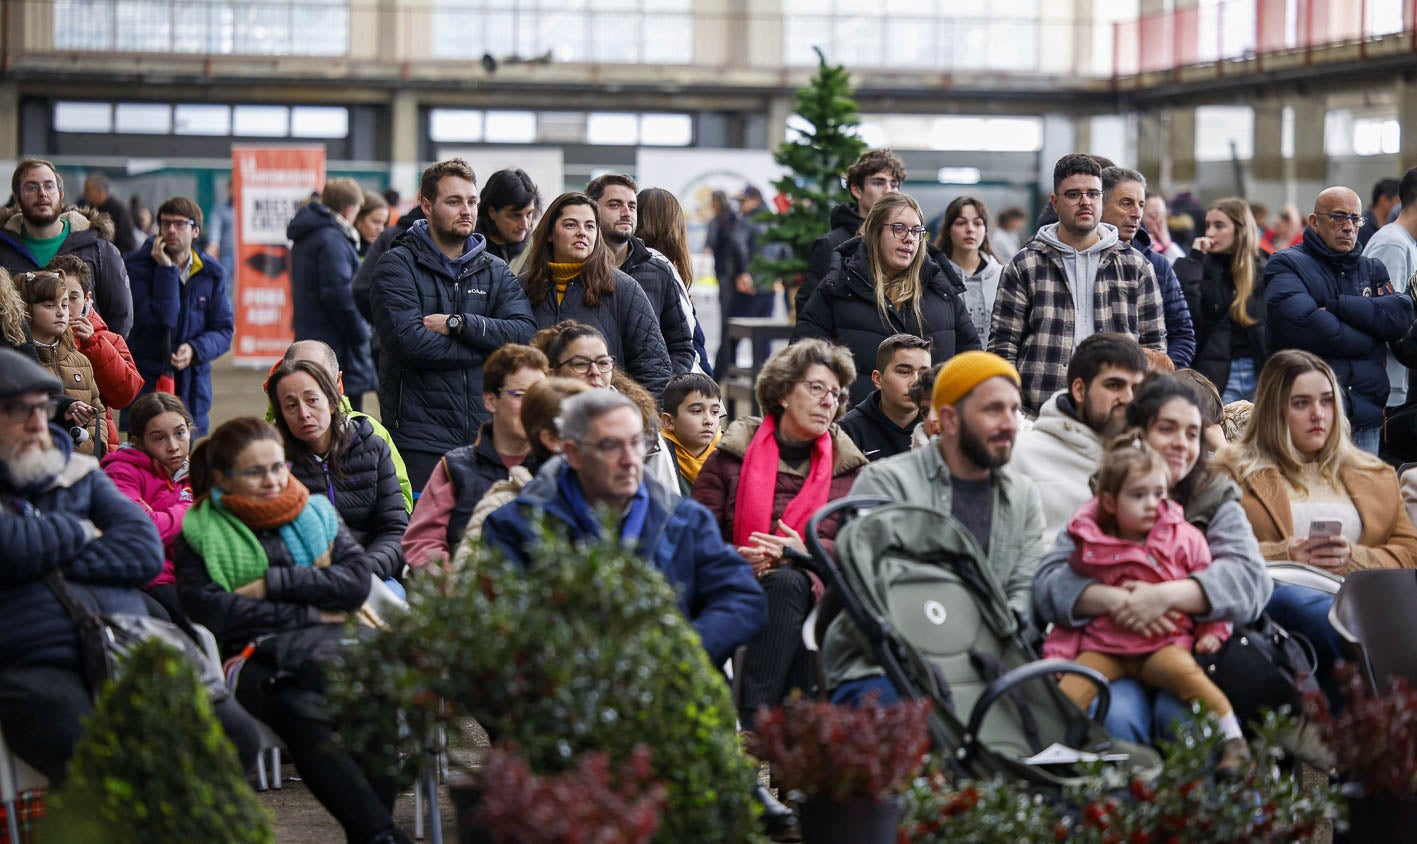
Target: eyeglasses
<point x="20" y="412"/>
<point x="819" y="391"/>
<point x="1076" y="195"/>
<point x="1338" y="218"/>
<point x="611" y="448"/>
<point x="580" y="364"/>
<point x="256" y="474"/>
<point x="900" y="230"/>
<point x="178" y="225"/>
<point x="32" y="188"/>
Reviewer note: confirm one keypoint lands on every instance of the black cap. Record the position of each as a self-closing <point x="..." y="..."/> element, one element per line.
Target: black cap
<point x="19" y="374"/>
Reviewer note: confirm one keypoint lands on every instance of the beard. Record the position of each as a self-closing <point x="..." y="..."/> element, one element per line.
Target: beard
<point x="448" y="233"/>
<point x="33" y="467"/>
<point x="1106" y="425"/>
<point x="39" y="220"/>
<point x="614" y="237"/>
<point x="978" y="451"/>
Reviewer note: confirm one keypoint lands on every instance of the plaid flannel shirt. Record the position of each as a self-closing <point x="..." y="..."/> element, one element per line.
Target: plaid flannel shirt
<point x="1033" y="319"/>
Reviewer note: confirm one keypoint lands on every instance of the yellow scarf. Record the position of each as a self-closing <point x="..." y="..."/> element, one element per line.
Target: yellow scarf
<point x="689" y="464"/>
<point x="562" y="275"/>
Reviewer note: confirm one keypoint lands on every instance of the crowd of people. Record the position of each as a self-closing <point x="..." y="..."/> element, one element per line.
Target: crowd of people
<point x="1126" y="418"/>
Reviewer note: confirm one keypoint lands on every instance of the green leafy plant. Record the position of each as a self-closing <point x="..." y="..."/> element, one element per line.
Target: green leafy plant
<point x="154" y="765"/>
<point x="818" y="158"/>
<point x="586" y="651"/>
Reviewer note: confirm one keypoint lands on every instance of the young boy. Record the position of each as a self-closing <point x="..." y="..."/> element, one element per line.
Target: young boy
<point x="881" y="424"/>
<point x="114" y="371"/>
<point x="692" y="422"/>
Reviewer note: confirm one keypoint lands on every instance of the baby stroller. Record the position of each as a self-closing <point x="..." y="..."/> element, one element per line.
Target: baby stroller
<point x="916" y="597"/>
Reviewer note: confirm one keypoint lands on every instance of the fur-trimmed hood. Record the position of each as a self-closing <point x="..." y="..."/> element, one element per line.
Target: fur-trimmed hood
<point x="80" y="219"/>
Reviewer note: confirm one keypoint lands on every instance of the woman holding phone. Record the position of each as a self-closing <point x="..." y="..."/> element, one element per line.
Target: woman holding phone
<point x="1312" y="496"/>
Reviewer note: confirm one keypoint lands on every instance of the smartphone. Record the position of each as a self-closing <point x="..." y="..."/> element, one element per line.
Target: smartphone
<point x="1325" y="528"/>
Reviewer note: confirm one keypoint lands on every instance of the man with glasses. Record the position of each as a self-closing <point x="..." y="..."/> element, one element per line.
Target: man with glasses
<point x="601" y="485"/>
<point x="441" y="304"/>
<point x="184" y="318"/>
<point x="43" y="227"/>
<point x="1325" y="297"/>
<point x="1074" y="279"/>
<point x="465" y="474"/>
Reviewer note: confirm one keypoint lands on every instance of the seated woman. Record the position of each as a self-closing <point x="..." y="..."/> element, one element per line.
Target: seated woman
<point x="341" y="458"/>
<point x="1233" y="588"/>
<point x="767" y="478"/>
<point x="261" y="560"/>
<point x="153" y="471"/>
<point x="1314" y="497"/>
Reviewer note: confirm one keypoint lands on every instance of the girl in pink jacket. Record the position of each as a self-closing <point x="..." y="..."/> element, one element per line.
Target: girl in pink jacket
<point x="1131" y="534"/>
<point x="152" y="470"/>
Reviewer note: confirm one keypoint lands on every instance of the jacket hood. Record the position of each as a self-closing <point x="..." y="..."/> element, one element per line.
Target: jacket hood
<point x="845" y="455"/>
<point x="312" y="217"/>
<point x="80" y="219"/>
<point x="1216" y="490"/>
<point x="129" y="455"/>
<point x="1315" y="246"/>
<point x="418" y="233"/>
<point x="1084" y="526"/>
<point x="845" y="216"/>
<point x="1107" y="239"/>
<point x="1141" y="241"/>
<point x="1056" y="420"/>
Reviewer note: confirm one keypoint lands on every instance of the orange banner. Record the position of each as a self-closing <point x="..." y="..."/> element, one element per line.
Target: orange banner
<point x="268" y="185"/>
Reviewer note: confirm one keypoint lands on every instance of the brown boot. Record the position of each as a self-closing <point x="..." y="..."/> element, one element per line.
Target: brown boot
<point x="1234" y="757"/>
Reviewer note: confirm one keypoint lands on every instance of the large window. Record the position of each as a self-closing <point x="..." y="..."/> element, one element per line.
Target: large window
<point x="257" y="27"/>
<point x="1368" y="132"/>
<point x="242" y="121"/>
<point x="1225" y="132"/>
<point x="607" y="31"/>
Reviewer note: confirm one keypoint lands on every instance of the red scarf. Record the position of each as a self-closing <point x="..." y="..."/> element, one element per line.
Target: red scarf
<point x="757" y="483"/>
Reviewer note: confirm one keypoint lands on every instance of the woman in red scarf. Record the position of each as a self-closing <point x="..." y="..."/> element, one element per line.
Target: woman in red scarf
<point x="767" y="478"/>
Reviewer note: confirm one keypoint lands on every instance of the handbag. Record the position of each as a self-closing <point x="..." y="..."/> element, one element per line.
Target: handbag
<point x="1263" y="666"/>
<point x="106" y="640"/>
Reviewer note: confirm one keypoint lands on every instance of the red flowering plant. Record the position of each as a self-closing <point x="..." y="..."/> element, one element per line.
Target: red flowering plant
<point x="842" y="753"/>
<point x="1374" y="737"/>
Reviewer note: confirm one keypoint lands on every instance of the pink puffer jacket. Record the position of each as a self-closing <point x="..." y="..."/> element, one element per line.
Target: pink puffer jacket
<point x="164" y="500"/>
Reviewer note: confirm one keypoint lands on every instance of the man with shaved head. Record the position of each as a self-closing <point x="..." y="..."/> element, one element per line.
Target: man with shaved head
<point x="1323" y="296"/>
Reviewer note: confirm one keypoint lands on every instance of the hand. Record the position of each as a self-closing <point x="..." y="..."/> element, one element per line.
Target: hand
<point x="182" y="358"/>
<point x="333" y="617"/>
<point x="1333" y="552"/>
<point x="1201" y="244"/>
<point x="744" y="283"/>
<point x="80" y="413"/>
<point x="255" y="590"/>
<point x="1145" y="602"/>
<point x="1208" y="644"/>
<point x="160" y="256"/>
<point x="83" y="329"/>
<point x="436" y="323"/>
<point x="757" y="558"/>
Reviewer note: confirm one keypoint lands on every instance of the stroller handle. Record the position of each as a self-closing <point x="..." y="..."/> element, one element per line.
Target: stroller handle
<point x="1017" y="677"/>
<point x="821" y="558"/>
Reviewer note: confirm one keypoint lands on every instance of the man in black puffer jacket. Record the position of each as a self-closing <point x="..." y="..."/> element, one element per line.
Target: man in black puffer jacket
<point x="441" y="304"/>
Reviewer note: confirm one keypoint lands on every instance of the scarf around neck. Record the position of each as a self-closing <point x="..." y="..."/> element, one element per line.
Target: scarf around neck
<point x="690" y="464"/>
<point x="757" y="484"/>
<point x="222" y="530"/>
<point x="631" y="526"/>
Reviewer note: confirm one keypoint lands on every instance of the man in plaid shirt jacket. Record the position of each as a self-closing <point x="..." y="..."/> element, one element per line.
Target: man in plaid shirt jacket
<point x="1037" y="321"/>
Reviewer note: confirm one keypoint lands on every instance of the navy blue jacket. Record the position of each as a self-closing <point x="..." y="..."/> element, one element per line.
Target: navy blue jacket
<point x="430" y="386"/>
<point x="1180" y="332"/>
<point x="47" y="532"/>
<point x="323" y="261"/>
<point x="717" y="590"/>
<point x="168" y="313"/>
<point x="1342" y="308"/>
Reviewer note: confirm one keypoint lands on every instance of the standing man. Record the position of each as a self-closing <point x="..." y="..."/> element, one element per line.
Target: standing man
<point x="323" y="261"/>
<point x="441" y="305"/>
<point x="876" y="173"/>
<point x="1395" y="245"/>
<point x="883" y="423"/>
<point x="184" y="319"/>
<point x="43" y="228"/>
<point x="1386" y="195"/>
<point x="1123" y="206"/>
<point x="1325" y="297"/>
<point x="1074" y="279"/>
<point x="97" y="196"/>
<point x="614" y="195"/>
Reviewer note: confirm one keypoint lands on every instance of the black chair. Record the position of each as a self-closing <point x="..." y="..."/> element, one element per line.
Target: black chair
<point x="1373" y="613"/>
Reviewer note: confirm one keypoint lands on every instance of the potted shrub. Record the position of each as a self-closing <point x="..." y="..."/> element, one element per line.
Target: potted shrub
<point x="1374" y="741"/>
<point x="154" y="765"/>
<point x="848" y="762"/>
<point x="584" y="651"/>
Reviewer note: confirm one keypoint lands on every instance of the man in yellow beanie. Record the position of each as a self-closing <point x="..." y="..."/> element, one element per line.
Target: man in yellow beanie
<point x="964" y="471"/>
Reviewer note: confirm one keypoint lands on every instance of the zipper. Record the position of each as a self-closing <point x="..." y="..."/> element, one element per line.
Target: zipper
<point x="466" y="385"/>
<point x="329" y="482"/>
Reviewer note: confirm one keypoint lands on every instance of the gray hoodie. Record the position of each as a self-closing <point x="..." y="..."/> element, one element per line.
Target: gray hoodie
<point x="1081" y="270"/>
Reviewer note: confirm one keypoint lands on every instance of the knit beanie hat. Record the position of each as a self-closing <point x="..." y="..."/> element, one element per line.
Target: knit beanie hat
<point x="968" y="370"/>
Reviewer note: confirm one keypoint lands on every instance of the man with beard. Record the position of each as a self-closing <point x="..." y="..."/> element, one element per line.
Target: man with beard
<point x="617" y="208"/>
<point x="43" y="228"/>
<point x="441" y="305"/>
<point x="1064" y="446"/>
<point x="965" y="471"/>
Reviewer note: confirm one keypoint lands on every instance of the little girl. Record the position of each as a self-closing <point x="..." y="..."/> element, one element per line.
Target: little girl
<point x="46" y="296"/>
<point x="1131" y="533"/>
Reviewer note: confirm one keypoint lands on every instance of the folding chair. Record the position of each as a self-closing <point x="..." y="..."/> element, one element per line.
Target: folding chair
<point x="15" y="777"/>
<point x="1310" y="577"/>
<point x="1373" y="612"/>
<point x="432" y="769"/>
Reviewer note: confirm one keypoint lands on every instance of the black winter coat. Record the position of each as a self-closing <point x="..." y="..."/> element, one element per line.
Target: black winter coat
<point x="430" y="386"/>
<point x="366" y="493"/>
<point x="628" y="321"/>
<point x="846" y="224"/>
<point x="1210" y="288"/>
<point x="656" y="278"/>
<point x="323" y="262"/>
<point x="874" y="432"/>
<point x="843" y="310"/>
<point x="90" y="238"/>
<point x="473" y="469"/>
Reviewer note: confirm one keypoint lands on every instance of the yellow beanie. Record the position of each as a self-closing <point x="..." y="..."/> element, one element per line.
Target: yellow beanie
<point x="968" y="370"/>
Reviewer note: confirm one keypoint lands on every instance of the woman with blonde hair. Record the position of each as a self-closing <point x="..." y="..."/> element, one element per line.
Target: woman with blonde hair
<point x="1312" y="496"/>
<point x="1221" y="279"/>
<point x="13" y="333"/>
<point x="884" y="283"/>
<point x="663" y="228"/>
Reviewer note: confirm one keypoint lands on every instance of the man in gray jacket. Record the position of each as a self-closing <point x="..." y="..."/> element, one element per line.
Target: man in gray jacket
<point x="962" y="472"/>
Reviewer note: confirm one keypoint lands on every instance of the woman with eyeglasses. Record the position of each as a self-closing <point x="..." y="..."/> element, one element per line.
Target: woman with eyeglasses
<point x="341" y="458"/>
<point x="884" y="283"/>
<point x="768" y="476"/>
<point x="271" y="570"/>
<point x="568" y="276"/>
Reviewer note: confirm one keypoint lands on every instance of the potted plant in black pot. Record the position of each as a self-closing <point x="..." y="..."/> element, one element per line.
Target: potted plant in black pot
<point x="584" y="651"/>
<point x="849" y="763"/>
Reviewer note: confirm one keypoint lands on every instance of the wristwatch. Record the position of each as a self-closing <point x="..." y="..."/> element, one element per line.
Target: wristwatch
<point x="454" y="324"/>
